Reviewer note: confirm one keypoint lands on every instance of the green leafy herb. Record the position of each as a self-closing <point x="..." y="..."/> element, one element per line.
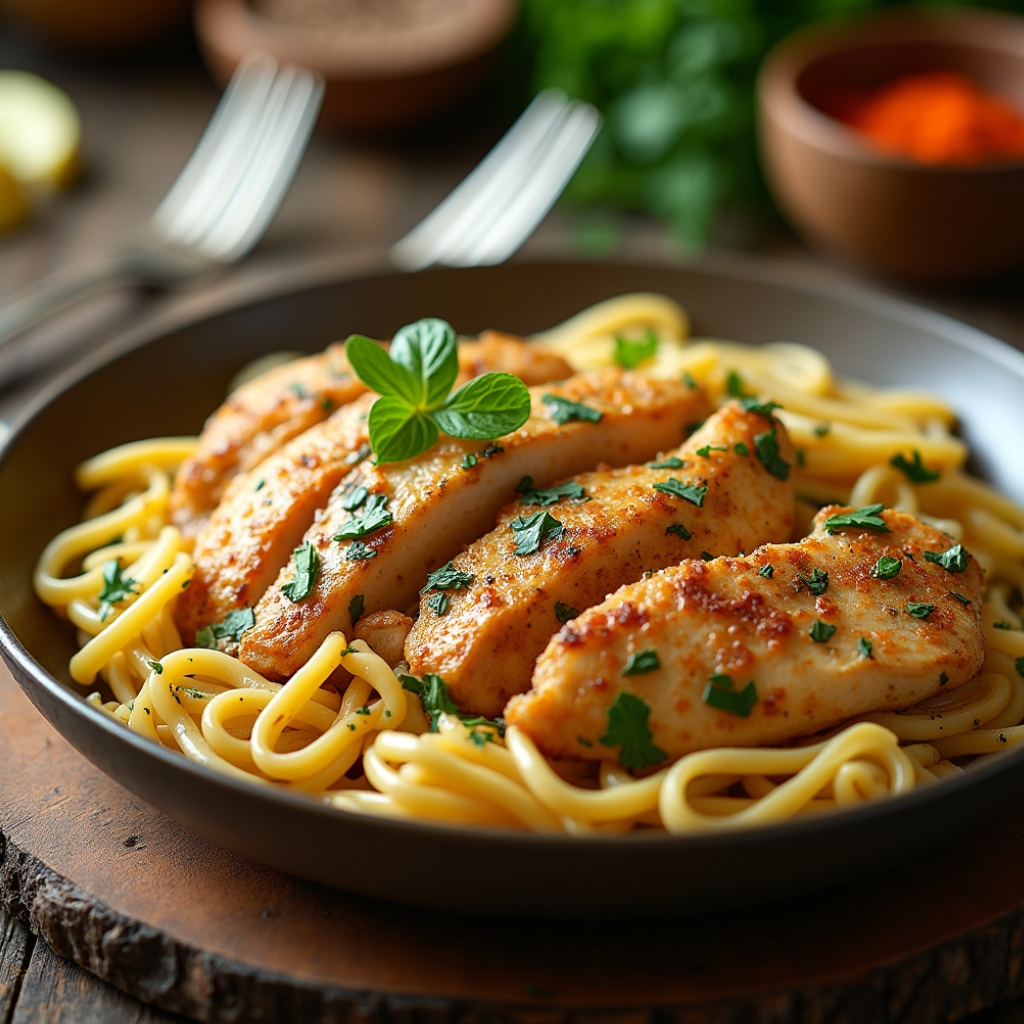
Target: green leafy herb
<point x="1001" y="624"/>
<point x="767" y="447"/>
<point x="679" y="530"/>
<point x="115" y="587"/>
<point x="355" y="498"/>
<point x="532" y="532"/>
<point x="491" y="450"/>
<point x="816" y="583"/>
<point x="564" y="613"/>
<point x="632" y="353"/>
<point x="919" y="609"/>
<point x="469" y="460"/>
<point x="689" y="381"/>
<point x="307" y="569"/>
<point x="438" y="602"/>
<point x="356" y="607"/>
<point x="374" y="517"/>
<point x="953" y="559"/>
<point x="628" y="730"/>
<point x="447" y="578"/>
<point x="867" y="518"/>
<point x="820" y="631"/>
<point x="299" y="390"/>
<point x="564" y="411"/>
<point x="915" y="470"/>
<point x="734" y="384"/>
<point x="886" y="568"/>
<point x="434" y="696"/>
<point x="765" y="409"/>
<point x="327" y="404"/>
<point x="943" y="679"/>
<point x="206" y="639"/>
<point x="693" y="493"/>
<point x="672" y="462"/>
<point x="720" y="694"/>
<point x="156" y="667"/>
<point x="707" y="556"/>
<point x="706" y="451"/>
<point x="359" y="552"/>
<point x="822" y="429"/>
<point x="549" y="495"/>
<point x="740" y="448"/>
<point x="864" y="647"/>
<point x="960" y="597"/>
<point x="1019" y="665"/>
<point x="235" y="623"/>
<point x="641" y="662"/>
<point x="582" y="742"/>
<point x="260" y="484"/>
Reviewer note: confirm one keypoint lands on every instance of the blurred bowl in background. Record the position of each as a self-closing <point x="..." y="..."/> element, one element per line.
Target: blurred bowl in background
<point x="925" y="222"/>
<point x="387" y="64"/>
<point x="106" y="25"/>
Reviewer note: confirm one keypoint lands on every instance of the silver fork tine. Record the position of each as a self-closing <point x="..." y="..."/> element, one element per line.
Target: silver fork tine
<point x="475" y="197"/>
<point x="289" y="118"/>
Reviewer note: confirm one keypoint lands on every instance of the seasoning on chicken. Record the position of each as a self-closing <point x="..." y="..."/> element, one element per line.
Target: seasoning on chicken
<point x="873" y="611"/>
<point x="712" y="495"/>
<point x="393" y="524"/>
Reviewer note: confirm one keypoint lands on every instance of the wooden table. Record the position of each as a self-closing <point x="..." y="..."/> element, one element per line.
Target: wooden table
<point x="349" y="202"/>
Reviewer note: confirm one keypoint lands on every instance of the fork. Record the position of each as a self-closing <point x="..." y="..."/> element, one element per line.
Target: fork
<point x="220" y="204"/>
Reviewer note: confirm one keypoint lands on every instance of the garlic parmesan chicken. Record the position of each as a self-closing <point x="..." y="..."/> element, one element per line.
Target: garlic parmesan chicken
<point x="264" y="414"/>
<point x="391" y="525"/>
<point x="714" y="494"/>
<point x="760" y="650"/>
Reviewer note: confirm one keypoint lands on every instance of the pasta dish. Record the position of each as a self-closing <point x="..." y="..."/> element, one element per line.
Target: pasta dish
<point x="608" y="578"/>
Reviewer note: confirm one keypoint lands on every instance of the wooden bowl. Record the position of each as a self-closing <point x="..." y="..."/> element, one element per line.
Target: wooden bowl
<point x="380" y="75"/>
<point x="903" y="218"/>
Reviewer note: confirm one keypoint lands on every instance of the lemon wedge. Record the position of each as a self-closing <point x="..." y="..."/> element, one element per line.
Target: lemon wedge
<point x="39" y="132"/>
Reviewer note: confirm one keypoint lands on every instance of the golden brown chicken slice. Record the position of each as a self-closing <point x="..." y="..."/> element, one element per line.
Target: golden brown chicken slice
<point x="429" y="507"/>
<point x="787" y="641"/>
<point x="714" y="494"/>
<point x="262" y="415"/>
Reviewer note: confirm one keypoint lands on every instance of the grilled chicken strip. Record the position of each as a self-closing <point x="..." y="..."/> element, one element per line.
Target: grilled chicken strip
<point x="264" y="512"/>
<point x="819" y="638"/>
<point x="616" y="524"/>
<point x="261" y="416"/>
<point x="449" y="496"/>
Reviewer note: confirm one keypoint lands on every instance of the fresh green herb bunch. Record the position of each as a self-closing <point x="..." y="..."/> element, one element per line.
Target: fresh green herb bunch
<point x="414" y="380"/>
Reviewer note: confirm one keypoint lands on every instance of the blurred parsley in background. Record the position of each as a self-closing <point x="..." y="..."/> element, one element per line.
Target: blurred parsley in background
<point x="675" y="81"/>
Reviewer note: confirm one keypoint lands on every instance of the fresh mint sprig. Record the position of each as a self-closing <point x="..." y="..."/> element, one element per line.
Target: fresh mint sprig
<point x="414" y="380"/>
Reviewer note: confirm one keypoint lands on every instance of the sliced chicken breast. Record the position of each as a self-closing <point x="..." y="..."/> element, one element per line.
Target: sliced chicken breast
<point x="734" y="653"/>
<point x="429" y="507"/>
<point x="712" y="495"/>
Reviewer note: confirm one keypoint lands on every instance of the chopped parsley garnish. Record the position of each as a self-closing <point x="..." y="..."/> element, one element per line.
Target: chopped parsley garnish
<point x="359" y="552"/>
<point x="822" y="429"/>
<point x="469" y="460"/>
<point x="765" y="409"/>
<point x="707" y="556"/>
<point x="260" y="484"/>
<point x="491" y="450"/>
<point x="356" y="607"/>
<point x="706" y="451"/>
<point x="115" y="587"/>
<point x="1019" y="665"/>
<point x="1001" y="624"/>
<point x="679" y="530"/>
<point x="564" y="613"/>
<point x="767" y="447"/>
<point x="820" y="632"/>
<point x="549" y="495"/>
<point x="919" y="609"/>
<point x="563" y="410"/>
<point x="672" y="462"/>
<point x="641" y="662"/>
<point x="327" y="404"/>
<point x="374" y="517"/>
<point x="632" y="353"/>
<point x="438" y="602"/>
<point x="816" y="583"/>
<point x="943" y="679"/>
<point x="434" y="695"/>
<point x="864" y="647"/>
<point x="960" y="597"/>
<point x="720" y="694"/>
<point x="866" y="517"/>
<point x="915" y="470"/>
<point x="307" y="569"/>
<point x="693" y="493"/>
<point x="447" y="578"/>
<point x="886" y="568"/>
<point x="740" y="448"/>
<point x="628" y="730"/>
<point x="689" y="381"/>
<point x="156" y="667"/>
<point x="953" y="559"/>
<point x="532" y="532"/>
<point x="767" y="571"/>
<point x="582" y="742"/>
<point x="353" y="500"/>
<point x="734" y="384"/>
<point x="206" y="639"/>
<point x="234" y="625"/>
<point x="299" y="390"/>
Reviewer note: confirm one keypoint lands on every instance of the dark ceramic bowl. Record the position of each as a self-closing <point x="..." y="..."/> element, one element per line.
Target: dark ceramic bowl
<point x="168" y="384"/>
<point x="903" y="218"/>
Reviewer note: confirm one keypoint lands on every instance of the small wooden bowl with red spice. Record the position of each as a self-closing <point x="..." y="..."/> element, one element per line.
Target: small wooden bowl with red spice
<point x="895" y="140"/>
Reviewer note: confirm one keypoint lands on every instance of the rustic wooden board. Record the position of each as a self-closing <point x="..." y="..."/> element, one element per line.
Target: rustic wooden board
<point x="175" y="921"/>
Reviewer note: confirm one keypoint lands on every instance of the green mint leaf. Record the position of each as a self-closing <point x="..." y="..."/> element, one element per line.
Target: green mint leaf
<point x="629" y="354"/>
<point x="206" y="639"/>
<point x="115" y="587"/>
<point x="235" y="623"/>
<point x="438" y="602"/>
<point x="705" y="452"/>
<point x="740" y="448"/>
<point x="307" y="569"/>
<point x="765" y="409"/>
<point x="628" y="730"/>
<point x="816" y="583"/>
<point x="564" y="411"/>
<point x="767" y="571"/>
<point x="820" y="632"/>
<point x="397" y="431"/>
<point x="374" y="517"/>
<point x="532" y="532"/>
<point x="915" y="470"/>
<point x="864" y="647"/>
<point x="447" y="578"/>
<point x="920" y="609"/>
<point x="953" y="559"/>
<point x="767" y="447"/>
<point x="679" y="530"/>
<point x="672" y="462"/>
<point x="375" y="368"/>
<point x="867" y="518"/>
<point x="487" y="407"/>
<point x="564" y="613"/>
<point x="411" y="683"/>
<point x="720" y="694"/>
<point x="960" y="597"/>
<point x="544" y="496"/>
<point x="734" y="384"/>
<point x="641" y="662"/>
<point x="886" y="568"/>
<point x="356" y="607"/>
<point x="693" y="493"/>
<point x="359" y="552"/>
<point x="428" y="350"/>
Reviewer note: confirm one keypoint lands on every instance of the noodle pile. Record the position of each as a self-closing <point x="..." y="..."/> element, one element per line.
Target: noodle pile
<point x="346" y="731"/>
